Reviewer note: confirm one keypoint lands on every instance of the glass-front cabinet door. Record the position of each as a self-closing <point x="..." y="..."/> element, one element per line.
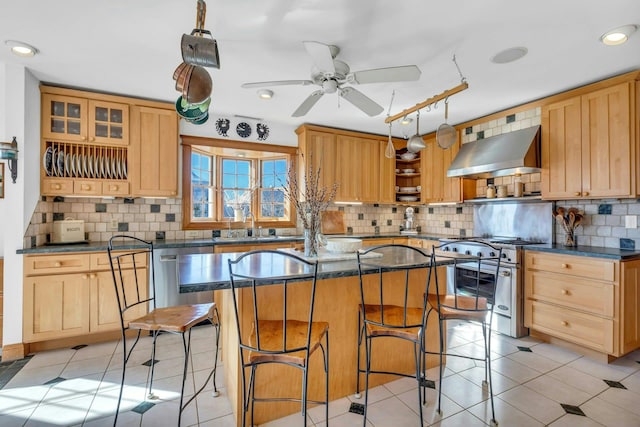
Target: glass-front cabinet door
<point x="108" y="122"/>
<point x="64" y="118"/>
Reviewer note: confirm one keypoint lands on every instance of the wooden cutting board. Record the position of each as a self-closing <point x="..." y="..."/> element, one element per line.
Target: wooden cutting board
<point x="332" y="222"/>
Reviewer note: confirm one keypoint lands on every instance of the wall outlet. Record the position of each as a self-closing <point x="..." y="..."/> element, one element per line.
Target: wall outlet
<point x="191" y="234"/>
<point x="114" y="223"/>
<point x="630" y="221"/>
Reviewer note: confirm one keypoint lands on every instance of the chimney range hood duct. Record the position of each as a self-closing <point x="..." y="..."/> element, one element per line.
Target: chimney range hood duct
<point x="511" y="153"/>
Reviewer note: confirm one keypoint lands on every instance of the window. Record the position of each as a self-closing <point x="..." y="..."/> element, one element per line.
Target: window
<point x="224" y="182"/>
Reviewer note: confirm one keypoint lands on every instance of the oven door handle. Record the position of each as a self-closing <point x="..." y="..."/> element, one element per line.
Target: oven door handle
<point x="505" y="273"/>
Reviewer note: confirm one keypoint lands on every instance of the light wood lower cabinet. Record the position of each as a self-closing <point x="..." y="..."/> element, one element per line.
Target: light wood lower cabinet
<point x="69" y="295"/>
<point x="591" y="302"/>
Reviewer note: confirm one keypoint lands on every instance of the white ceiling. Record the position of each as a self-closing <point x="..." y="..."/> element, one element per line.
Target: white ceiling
<point x="132" y="48"/>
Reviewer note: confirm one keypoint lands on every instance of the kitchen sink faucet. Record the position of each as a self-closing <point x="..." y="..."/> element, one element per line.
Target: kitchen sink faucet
<point x="253" y="223"/>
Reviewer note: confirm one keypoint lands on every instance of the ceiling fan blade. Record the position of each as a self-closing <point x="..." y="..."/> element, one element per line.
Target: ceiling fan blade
<point x="277" y="83"/>
<point x="308" y="103"/>
<point x="361" y="101"/>
<point x="322" y="56"/>
<point x="403" y="73"/>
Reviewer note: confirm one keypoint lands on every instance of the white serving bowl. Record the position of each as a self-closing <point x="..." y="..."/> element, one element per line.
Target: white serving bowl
<point x="408" y="156"/>
<point x="341" y="244"/>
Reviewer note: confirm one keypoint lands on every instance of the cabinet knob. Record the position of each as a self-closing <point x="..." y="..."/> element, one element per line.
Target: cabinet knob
<point x="114" y="187"/>
<point x="57" y="186"/>
<point x="85" y="186"/>
<point x="577" y="193"/>
<point x="586" y="193"/>
<point x="564" y="265"/>
<point x="92" y="139"/>
<point x="93" y="276"/>
<point x="57" y="264"/>
<point x="564" y="292"/>
<point x="84" y="276"/>
<point x="564" y="323"/>
<point x="84" y="138"/>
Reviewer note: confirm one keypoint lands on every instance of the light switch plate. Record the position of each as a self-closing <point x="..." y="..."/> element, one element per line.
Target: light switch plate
<point x="631" y="221"/>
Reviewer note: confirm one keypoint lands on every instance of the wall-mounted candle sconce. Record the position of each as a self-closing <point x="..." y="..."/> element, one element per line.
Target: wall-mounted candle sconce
<point x="9" y="152"/>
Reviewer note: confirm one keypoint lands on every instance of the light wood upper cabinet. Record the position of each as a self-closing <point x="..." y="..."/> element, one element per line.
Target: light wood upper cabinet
<point x="153" y="159"/>
<point x="587" y="146"/>
<point x="318" y="150"/>
<point x="387" y="176"/>
<point x="437" y="187"/>
<point x="107" y="145"/>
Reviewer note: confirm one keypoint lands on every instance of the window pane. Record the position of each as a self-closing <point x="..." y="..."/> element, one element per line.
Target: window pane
<point x="281" y="166"/>
<point x="228" y="166"/>
<point x="267" y="167"/>
<point x="268" y="181"/>
<point x="244" y="167"/>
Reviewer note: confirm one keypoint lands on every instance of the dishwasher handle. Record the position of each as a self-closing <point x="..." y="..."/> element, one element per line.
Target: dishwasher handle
<point x="168" y="258"/>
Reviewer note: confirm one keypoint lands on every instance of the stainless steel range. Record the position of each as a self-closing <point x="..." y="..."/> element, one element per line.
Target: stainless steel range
<point x="527" y="224"/>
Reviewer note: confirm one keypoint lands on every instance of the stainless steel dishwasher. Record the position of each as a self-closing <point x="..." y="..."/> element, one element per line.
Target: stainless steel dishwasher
<point x="165" y="264"/>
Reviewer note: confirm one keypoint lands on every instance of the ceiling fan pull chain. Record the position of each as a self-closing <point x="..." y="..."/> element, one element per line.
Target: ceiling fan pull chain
<point x="463" y="79"/>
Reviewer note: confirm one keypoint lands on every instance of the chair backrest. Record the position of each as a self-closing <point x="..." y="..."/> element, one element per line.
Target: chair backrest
<point x="393" y="275"/>
<point x="471" y="278"/>
<point x="278" y="285"/>
<point x="126" y="255"/>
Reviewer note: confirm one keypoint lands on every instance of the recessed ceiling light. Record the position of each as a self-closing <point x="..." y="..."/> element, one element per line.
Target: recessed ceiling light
<point x="265" y="93"/>
<point x="406" y="120"/>
<point x="20" y="48"/>
<point x="618" y="35"/>
<point x="509" y="55"/>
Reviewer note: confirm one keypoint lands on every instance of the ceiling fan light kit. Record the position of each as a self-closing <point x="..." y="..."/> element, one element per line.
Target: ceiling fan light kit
<point x="334" y="75"/>
<point x="265" y="93"/>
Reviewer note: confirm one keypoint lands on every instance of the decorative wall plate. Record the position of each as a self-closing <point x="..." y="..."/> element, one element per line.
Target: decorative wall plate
<point x="263" y="131"/>
<point x="223" y="126"/>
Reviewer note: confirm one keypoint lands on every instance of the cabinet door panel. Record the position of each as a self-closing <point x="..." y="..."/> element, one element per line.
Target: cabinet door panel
<point x="104" y="307"/>
<point x="387" y="176"/>
<point x="64" y="118"/>
<point x="562" y="150"/>
<point x="55" y="307"/>
<point x="153" y="159"/>
<point x="606" y="136"/>
<point x="108" y="122"/>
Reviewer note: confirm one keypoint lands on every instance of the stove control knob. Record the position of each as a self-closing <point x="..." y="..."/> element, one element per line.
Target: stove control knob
<point x="455" y="249"/>
<point x="479" y="254"/>
<point x="446" y="249"/>
<point x="467" y="252"/>
<point x="492" y="254"/>
<point x="504" y="255"/>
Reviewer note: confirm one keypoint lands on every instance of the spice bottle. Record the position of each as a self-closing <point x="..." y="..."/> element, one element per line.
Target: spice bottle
<point x="518" y="186"/>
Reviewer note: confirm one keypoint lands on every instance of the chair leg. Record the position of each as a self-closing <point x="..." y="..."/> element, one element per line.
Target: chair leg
<point x="494" y="422"/>
<point x="252" y="390"/>
<point x="358" y="395"/>
<point x="326" y="383"/>
<point x="417" y="351"/>
<point x="367" y="345"/>
<point x="150" y="394"/>
<point x="305" y="377"/>
<point x="441" y="340"/>
<point x="186" y="345"/>
<point x="216" y="325"/>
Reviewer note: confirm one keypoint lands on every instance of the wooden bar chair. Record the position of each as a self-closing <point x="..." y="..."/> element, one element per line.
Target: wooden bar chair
<point x="267" y="336"/>
<point x="137" y="308"/>
<point x="469" y="295"/>
<point x="389" y="309"/>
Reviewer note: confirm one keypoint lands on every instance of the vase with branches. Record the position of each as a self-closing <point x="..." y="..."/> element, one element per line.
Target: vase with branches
<point x="310" y="199"/>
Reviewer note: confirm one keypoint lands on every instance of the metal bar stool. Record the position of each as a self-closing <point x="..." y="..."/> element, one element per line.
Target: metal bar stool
<point x="132" y="287"/>
<point x="468" y="295"/>
<point x="386" y="311"/>
<point x="285" y="339"/>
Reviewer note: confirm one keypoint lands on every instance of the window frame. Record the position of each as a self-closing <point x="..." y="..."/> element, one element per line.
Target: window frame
<point x="278" y="151"/>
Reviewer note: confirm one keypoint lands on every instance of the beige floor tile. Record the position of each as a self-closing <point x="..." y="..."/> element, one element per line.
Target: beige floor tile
<point x="83" y="367"/>
<point x="166" y="413"/>
<point x="430" y="409"/>
<point x="533" y="404"/>
<point x="570" y="420"/>
<point x="461" y="419"/>
<point x="50" y="357"/>
<point x="558" y="391"/>
<point x="500" y="382"/>
<point x="336" y="407"/>
<point x="633" y="382"/>
<point x="579" y="380"/>
<point x="21" y="399"/>
<point x="609" y="415"/>
<point x="513" y="370"/>
<point x="291" y="420"/>
<point x="534" y="361"/>
<point x="462" y="391"/>
<point x="625" y="399"/>
<point x="556" y="353"/>
<point x="95" y="350"/>
<point x="35" y="376"/>
<point x="613" y="371"/>
<point x="345" y="420"/>
<point x="67" y="412"/>
<point x="226" y="421"/>
<point x="375" y="394"/>
<point x="16" y="419"/>
<point x="73" y="388"/>
<point x="127" y="418"/>
<point x="506" y="415"/>
<point x="210" y="407"/>
<point x="391" y="412"/>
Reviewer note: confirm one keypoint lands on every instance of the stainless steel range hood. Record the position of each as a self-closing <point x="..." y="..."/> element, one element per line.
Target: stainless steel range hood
<point x="511" y="153"/>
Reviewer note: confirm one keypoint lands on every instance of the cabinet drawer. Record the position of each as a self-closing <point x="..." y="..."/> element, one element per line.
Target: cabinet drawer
<point x="53" y="187"/>
<point x="584" y="329"/>
<point x="100" y="261"/>
<point x="55" y="264"/>
<point x="585" y="295"/>
<point x="591" y="268"/>
<point x="89" y="188"/>
<point x="115" y="188"/>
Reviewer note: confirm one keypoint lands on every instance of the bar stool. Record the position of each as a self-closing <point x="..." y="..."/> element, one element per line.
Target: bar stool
<point x="290" y="339"/>
<point x="469" y="295"/>
<point x="132" y="287"/>
<point x="386" y="311"/>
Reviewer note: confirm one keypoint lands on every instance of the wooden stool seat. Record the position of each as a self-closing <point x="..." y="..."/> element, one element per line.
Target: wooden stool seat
<point x="174" y="319"/>
<point x="272" y="336"/>
<point x="393" y="316"/>
<point x="466" y="310"/>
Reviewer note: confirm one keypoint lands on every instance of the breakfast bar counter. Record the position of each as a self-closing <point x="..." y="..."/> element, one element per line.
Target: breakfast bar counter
<point x="337" y="300"/>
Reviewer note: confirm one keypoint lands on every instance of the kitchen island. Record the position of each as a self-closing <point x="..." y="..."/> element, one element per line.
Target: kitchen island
<point x="337" y="299"/>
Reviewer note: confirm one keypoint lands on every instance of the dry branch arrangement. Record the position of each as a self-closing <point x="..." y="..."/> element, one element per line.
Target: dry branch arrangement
<point x="309" y="199"/>
<point x="569" y="219"/>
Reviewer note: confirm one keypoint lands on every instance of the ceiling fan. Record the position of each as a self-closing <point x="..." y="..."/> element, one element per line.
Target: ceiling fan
<point x="331" y="75"/>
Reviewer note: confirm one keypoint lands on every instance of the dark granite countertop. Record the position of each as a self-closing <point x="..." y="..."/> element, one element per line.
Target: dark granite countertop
<point x="193" y="243"/>
<point x="588" y="251"/>
<point x="207" y="272"/>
